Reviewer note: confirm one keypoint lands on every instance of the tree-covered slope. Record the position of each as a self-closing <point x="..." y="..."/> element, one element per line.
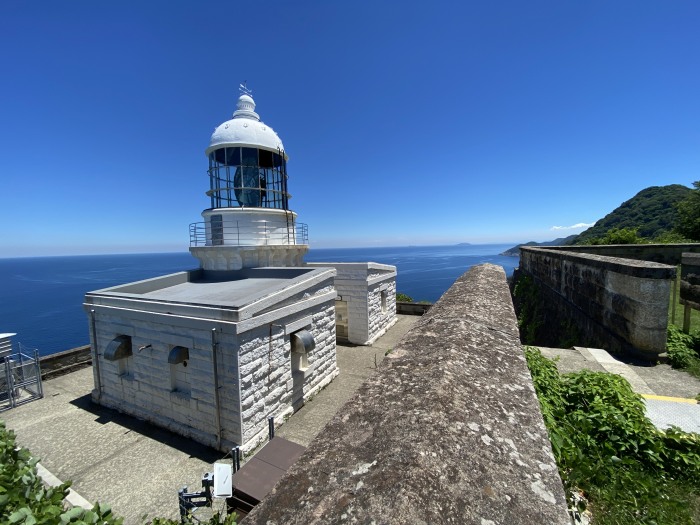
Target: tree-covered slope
<point x="561" y="241"/>
<point x="653" y="211"/>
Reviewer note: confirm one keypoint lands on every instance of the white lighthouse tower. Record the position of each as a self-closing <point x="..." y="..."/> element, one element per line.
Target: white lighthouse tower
<point x="249" y="223"/>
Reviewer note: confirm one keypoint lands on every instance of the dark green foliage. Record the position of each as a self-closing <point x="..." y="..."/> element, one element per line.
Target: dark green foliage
<point x="403" y="298"/>
<point x="561" y="241"/>
<point x="653" y="211"/>
<point x="683" y="350"/>
<point x="529" y="308"/>
<point x="671" y="238"/>
<point x="689" y="214"/>
<point x="680" y="347"/>
<point x="629" y="471"/>
<point x="216" y="519"/>
<point x="618" y="236"/>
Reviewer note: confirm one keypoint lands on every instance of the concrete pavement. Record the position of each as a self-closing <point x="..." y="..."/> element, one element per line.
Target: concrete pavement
<point x="355" y="363"/>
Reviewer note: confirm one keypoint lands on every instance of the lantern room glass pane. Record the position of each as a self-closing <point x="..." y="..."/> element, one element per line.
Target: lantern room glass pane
<point x="233" y="156"/>
<point x="247" y="186"/>
<point x="265" y="158"/>
<point x="219" y="155"/>
<point x="250" y="157"/>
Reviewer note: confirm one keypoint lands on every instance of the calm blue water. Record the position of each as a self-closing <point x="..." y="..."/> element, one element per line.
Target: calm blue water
<point x="41" y="297"/>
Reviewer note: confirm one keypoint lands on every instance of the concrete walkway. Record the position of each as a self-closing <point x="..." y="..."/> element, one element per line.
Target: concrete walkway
<point x="355" y="364"/>
<point x="669" y="394"/>
<point x="137" y="468"/>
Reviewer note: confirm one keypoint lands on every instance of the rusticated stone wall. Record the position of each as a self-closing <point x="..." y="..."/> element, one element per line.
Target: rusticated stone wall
<point x="619" y="304"/>
<point x="362" y="286"/>
<point x="448" y="430"/>
<point x="690" y="280"/>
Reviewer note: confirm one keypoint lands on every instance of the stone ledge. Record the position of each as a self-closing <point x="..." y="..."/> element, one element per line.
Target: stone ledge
<point x="65" y="362"/>
<point x="630" y="267"/>
<point x="447" y="431"/>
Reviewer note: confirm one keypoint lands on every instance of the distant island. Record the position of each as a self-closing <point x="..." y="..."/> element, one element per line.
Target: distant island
<point x="464" y="244"/>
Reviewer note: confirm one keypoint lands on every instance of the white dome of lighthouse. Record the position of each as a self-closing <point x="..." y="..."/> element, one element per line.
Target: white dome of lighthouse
<point x="245" y="129"/>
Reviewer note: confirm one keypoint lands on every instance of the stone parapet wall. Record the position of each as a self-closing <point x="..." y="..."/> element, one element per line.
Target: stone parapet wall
<point x="448" y="430"/>
<point x="690" y="280"/>
<point x="619" y="304"/>
<point x="64" y="362"/>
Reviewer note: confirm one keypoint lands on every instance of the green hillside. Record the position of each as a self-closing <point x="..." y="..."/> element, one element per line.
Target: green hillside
<point x="652" y="210"/>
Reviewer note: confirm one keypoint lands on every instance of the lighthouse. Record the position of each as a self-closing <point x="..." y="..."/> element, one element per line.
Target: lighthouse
<point x="213" y="352"/>
<point x="249" y="222"/>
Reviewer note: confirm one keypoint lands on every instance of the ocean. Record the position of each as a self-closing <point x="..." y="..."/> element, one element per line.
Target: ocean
<point x="41" y="297"/>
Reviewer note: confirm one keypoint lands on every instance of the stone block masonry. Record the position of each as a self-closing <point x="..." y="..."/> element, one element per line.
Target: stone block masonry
<point x="447" y="431"/>
<point x="368" y="291"/>
<point x="196" y="362"/>
<point x="690" y="280"/>
<point x="617" y="304"/>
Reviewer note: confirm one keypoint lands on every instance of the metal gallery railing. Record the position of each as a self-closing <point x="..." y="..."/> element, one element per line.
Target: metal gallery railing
<point x="263" y="233"/>
<point x="20" y="378"/>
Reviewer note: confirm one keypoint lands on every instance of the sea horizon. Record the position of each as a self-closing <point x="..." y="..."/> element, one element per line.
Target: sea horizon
<point x="166" y="252"/>
<point x="43" y="295"/>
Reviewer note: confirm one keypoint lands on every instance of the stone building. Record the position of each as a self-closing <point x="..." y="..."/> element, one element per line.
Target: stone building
<point x="211" y="353"/>
<point x="366" y="304"/>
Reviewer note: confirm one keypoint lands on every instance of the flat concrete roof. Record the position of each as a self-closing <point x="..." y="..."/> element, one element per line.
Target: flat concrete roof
<point x="224" y="293"/>
<point x="212" y="288"/>
<point x="205" y="294"/>
<point x="137" y="468"/>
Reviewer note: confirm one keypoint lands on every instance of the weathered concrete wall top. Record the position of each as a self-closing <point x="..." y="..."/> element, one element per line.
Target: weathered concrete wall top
<point x="661" y="253"/>
<point x="633" y="267"/>
<point x="447" y="431"/>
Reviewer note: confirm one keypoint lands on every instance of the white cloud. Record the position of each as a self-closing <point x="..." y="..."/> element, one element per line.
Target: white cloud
<point x="577" y="226"/>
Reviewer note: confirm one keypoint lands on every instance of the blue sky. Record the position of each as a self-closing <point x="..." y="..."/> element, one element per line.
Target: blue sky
<point x="405" y="123"/>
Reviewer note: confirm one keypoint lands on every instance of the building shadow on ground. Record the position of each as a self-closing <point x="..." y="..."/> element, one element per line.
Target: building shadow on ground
<point x="148" y="430"/>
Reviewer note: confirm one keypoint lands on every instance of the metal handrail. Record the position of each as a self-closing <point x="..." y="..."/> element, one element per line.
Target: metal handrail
<point x="235" y="235"/>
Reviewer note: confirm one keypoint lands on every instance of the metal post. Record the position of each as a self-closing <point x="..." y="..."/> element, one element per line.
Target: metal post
<point x="675" y="298"/>
<point x="97" y="357"/>
<point x="217" y="406"/>
<point x="181" y="503"/>
<point x="8" y="381"/>
<point x="271" y="427"/>
<point x="238" y="459"/>
<point x="37" y="366"/>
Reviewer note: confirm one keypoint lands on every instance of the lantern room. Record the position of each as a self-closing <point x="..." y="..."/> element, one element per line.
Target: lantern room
<point x="249" y="223"/>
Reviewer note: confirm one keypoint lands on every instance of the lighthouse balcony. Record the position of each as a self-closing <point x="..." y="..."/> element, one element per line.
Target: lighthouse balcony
<point x="218" y="232"/>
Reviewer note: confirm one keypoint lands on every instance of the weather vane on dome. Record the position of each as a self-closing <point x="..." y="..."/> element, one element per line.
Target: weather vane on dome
<point x="243" y="88"/>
